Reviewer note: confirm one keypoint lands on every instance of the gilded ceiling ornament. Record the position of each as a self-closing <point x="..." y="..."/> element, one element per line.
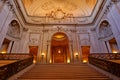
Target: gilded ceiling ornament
<point x="41" y="7"/>
<point x="60" y="11"/>
<point x="59" y="14"/>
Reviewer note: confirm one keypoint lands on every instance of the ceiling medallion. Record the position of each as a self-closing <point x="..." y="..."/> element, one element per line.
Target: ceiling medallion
<point x="59" y="14"/>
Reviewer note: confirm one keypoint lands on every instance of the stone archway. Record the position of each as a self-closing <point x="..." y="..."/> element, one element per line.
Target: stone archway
<point x="60" y="48"/>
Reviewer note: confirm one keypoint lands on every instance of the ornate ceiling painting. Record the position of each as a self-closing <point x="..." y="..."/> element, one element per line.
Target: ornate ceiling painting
<point x="59" y="11"/>
<point x="42" y="7"/>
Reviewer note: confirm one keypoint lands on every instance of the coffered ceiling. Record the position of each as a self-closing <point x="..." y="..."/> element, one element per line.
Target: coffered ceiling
<point x="59" y="11"/>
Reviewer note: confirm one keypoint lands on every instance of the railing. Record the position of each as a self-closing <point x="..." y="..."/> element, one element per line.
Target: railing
<point x="106" y="56"/>
<point x="10" y="69"/>
<point x="13" y="56"/>
<point x="102" y="61"/>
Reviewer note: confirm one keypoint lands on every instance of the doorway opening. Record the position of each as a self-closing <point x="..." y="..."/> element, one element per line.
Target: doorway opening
<point x="60" y="48"/>
<point x="5" y="46"/>
<point x="113" y="45"/>
<point x="85" y="53"/>
<point x="33" y="50"/>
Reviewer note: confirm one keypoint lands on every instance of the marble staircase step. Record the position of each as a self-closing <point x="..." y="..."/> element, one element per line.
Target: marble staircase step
<point x="62" y="72"/>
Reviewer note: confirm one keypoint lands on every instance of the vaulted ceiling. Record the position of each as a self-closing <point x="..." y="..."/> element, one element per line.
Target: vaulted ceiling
<point x="60" y="11"/>
<point x="78" y="8"/>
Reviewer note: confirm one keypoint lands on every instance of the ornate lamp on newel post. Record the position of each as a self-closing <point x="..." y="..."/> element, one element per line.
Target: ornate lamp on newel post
<point x="76" y="56"/>
<point x="42" y="57"/>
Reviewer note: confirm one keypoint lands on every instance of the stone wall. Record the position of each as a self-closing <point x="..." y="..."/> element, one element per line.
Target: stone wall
<point x="78" y="35"/>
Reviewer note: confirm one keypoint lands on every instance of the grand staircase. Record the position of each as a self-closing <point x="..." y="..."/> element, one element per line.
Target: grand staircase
<point x="62" y="72"/>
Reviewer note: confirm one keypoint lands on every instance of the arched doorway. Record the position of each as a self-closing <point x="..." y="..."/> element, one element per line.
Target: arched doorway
<point x="5" y="46"/>
<point x="59" y="48"/>
<point x="113" y="45"/>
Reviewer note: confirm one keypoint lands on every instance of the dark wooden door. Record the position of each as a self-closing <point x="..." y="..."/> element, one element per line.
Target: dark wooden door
<point x="85" y="53"/>
<point x="59" y="54"/>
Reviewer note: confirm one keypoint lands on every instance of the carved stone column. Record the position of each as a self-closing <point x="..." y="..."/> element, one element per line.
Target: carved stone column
<point x="71" y="51"/>
<point x="48" y="52"/>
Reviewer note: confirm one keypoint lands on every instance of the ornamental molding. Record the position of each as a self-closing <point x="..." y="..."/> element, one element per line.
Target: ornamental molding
<point x="109" y="6"/>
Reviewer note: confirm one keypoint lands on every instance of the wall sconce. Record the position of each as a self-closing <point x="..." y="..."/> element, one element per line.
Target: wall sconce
<point x="68" y="60"/>
<point x="34" y="61"/>
<point x="115" y="52"/>
<point x="84" y="61"/>
<point x="3" y="52"/>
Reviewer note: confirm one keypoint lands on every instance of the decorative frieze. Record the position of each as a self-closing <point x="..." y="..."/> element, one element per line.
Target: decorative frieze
<point x="109" y="6"/>
<point x="34" y="39"/>
<point x="107" y="9"/>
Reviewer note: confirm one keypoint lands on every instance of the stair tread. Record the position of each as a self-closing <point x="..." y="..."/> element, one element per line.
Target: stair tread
<point x="64" y="72"/>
